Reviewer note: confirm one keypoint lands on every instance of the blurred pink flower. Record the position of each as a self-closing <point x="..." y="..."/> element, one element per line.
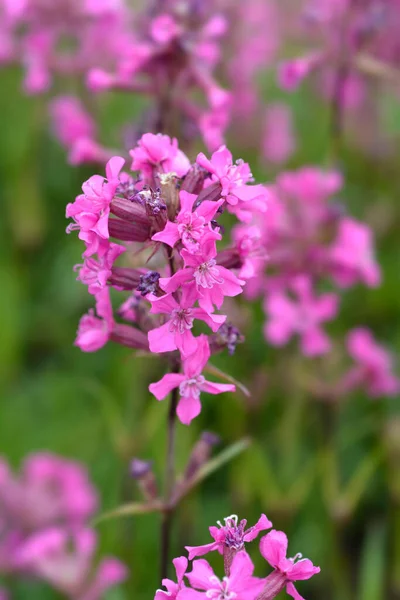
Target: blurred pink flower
<point x="374" y="365"/>
<point x="302" y="316"/>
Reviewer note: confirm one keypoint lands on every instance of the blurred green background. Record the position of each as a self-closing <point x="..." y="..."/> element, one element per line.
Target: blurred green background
<point x="329" y="476"/>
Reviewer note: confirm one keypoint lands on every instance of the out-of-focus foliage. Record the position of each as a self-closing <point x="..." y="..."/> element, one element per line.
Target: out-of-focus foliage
<point x="328" y="475"/>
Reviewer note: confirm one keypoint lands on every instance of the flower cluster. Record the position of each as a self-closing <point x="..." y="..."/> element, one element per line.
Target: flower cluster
<point x="61" y="38"/>
<point x="167" y="52"/>
<point x="303" y="240"/>
<point x="238" y="581"/>
<point x="168" y="214"/>
<point x="349" y="35"/>
<point x="44" y="531"/>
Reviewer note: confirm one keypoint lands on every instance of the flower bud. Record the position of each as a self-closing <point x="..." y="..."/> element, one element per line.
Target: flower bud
<point x="130" y="337"/>
<point x="148" y="283"/>
<point x="229" y="258"/>
<point x="211" y="193"/>
<point x="274" y="584"/>
<point x="128" y="232"/>
<point x="227" y="336"/>
<point x="142" y="471"/>
<point x="201" y="453"/>
<point x="194" y="179"/>
<point x="170" y="193"/>
<point x="125" y="278"/>
<point x="129" y="211"/>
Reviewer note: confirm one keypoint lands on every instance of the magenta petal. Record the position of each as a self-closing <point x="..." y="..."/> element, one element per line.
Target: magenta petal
<point x="186" y="342"/>
<point x="208" y="209"/>
<point x="161" y="339"/>
<point x="194" y="364"/>
<point x="273" y="547"/>
<point x="241" y="569"/>
<point x="291" y="590"/>
<point x="171" y="284"/>
<point x="212" y="320"/>
<point x="187" y="201"/>
<point x="302" y="569"/>
<point x="217" y="388"/>
<point x="201" y="550"/>
<point x="180" y="564"/>
<point x="262" y="524"/>
<point x="315" y="342"/>
<point x="169" y="235"/>
<point x="114" y="167"/>
<point x="162" y="388"/>
<point x="188" y="408"/>
<point x="162" y="305"/>
<point x="200" y="575"/>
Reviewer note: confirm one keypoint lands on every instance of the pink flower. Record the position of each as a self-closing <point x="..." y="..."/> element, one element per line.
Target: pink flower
<point x="304" y="316"/>
<point x="191" y="383"/>
<point x="374" y="364"/>
<point x="233" y="178"/>
<point x="56" y="490"/>
<point x="66" y="562"/>
<point x="190" y="226"/>
<point x="273" y="548"/>
<point x="176" y="332"/>
<point x="158" y="153"/>
<point x="173" y="588"/>
<point x="49" y="490"/>
<point x="91" y="210"/>
<point x="95" y="273"/>
<point x="93" y="332"/>
<point x="207" y="281"/>
<point x="230" y="535"/>
<point x="164" y="29"/>
<point x="240" y="584"/>
<point x="292" y="72"/>
<point x="248" y="241"/>
<point x="352" y="255"/>
<point x="71" y="122"/>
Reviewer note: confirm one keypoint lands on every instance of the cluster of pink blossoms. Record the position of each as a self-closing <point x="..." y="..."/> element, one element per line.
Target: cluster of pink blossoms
<point x="167" y="52"/>
<point x="238" y="580"/>
<point x="343" y="32"/>
<point x="61" y="38"/>
<point x="44" y="531"/>
<point x="168" y="214"/>
<point x="303" y="242"/>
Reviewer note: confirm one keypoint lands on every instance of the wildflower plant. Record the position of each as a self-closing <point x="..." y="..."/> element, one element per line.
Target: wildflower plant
<point x="171" y="237"/>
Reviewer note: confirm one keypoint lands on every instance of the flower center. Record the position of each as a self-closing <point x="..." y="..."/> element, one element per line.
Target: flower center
<point x="191" y="387"/>
<point x="221" y="589"/>
<point x="181" y="320"/>
<point x="234" y="532"/>
<point x="207" y="275"/>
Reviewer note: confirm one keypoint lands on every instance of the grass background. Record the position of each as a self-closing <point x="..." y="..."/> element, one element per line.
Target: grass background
<point x="328" y="476"/>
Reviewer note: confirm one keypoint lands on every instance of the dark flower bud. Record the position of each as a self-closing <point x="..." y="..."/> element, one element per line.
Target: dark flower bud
<point x="130" y="337"/>
<point x="129" y="210"/>
<point x="128" y="232"/>
<point x="227" y="336"/>
<point x="125" y="278"/>
<point x="148" y="283"/>
<point x="194" y="179"/>
<point x="142" y="471"/>
<point x="211" y="193"/>
<point x="201" y="453"/>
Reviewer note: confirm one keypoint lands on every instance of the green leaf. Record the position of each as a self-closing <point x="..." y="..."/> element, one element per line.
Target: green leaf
<point x="128" y="510"/>
<point x="213" y="465"/>
<point x="372" y="567"/>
